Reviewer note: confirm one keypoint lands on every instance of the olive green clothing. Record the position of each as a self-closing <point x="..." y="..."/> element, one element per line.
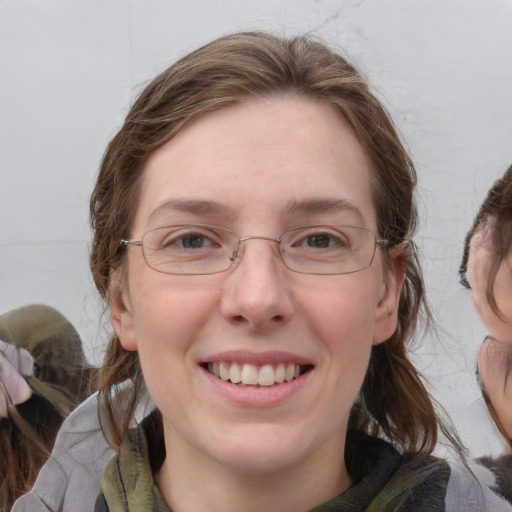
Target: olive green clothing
<point x="382" y="481"/>
<point x="70" y="480"/>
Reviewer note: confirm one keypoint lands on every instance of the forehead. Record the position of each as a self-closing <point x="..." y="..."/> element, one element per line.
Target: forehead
<point x="260" y="157"/>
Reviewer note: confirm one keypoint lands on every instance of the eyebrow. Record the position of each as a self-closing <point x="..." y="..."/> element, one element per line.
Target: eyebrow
<point x="195" y="206"/>
<point x="294" y="207"/>
<point x="321" y="205"/>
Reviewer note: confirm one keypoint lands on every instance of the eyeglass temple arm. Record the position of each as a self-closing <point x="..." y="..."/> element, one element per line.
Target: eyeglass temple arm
<point x="126" y="243"/>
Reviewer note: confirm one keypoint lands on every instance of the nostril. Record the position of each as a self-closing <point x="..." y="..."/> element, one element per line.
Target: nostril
<point x="239" y="319"/>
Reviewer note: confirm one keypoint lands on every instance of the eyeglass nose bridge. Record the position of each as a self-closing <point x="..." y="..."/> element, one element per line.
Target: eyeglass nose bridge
<point x="236" y="252"/>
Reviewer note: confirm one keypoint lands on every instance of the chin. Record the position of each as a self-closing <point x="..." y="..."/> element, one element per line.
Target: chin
<point x="260" y="453"/>
<point x="259" y="462"/>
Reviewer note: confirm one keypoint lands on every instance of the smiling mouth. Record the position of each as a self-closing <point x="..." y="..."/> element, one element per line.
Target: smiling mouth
<point x="253" y="375"/>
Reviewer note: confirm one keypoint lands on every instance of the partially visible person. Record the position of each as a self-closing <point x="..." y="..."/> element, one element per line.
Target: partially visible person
<point x="43" y="376"/>
<point x="486" y="269"/>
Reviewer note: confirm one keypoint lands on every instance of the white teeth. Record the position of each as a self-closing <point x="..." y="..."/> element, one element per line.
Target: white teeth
<point x="266" y="376"/>
<point x="252" y="375"/>
<point x="234" y="374"/>
<point x="249" y="374"/>
<point x="224" y="372"/>
<point x="280" y="372"/>
<point x="290" y="372"/>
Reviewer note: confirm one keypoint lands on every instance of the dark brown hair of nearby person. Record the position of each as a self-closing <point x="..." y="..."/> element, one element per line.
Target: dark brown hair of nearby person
<point x="496" y="210"/>
<point x="61" y="380"/>
<point x="393" y="402"/>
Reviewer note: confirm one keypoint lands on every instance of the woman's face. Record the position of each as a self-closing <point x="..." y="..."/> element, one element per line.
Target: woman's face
<point x="479" y="263"/>
<point x="257" y="168"/>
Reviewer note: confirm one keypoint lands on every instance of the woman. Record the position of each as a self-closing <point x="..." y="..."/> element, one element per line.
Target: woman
<point x="252" y="222"/>
<point x="487" y="270"/>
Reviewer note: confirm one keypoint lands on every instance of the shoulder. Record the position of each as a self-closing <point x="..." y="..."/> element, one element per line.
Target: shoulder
<point x="386" y="480"/>
<point x="435" y="484"/>
<point x="428" y="484"/>
<point x="466" y="491"/>
<point x="72" y="473"/>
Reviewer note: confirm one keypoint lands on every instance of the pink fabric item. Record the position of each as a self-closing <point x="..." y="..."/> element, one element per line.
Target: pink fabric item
<point x="16" y="364"/>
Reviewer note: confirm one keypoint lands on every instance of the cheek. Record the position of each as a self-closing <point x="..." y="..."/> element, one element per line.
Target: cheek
<point x="169" y="315"/>
<point x="344" y="322"/>
<point x="169" y="311"/>
<point x="342" y="311"/>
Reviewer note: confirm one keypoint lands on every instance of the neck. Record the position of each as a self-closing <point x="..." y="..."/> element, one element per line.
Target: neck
<point x="189" y="482"/>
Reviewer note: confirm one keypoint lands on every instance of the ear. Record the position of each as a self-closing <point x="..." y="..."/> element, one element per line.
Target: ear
<point x="386" y="314"/>
<point x="121" y="313"/>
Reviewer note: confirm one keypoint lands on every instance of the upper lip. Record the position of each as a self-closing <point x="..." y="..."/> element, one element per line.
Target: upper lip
<point x="256" y="358"/>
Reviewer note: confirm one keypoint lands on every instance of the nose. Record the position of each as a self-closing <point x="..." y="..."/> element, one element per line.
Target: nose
<point x="256" y="292"/>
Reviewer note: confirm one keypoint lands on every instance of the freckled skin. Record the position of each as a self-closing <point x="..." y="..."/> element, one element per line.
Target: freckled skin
<point x="255" y="158"/>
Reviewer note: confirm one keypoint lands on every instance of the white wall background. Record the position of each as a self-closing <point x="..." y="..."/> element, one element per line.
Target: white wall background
<point x="68" y="69"/>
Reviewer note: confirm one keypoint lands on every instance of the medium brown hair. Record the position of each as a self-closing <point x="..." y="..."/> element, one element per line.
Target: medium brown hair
<point x="496" y="210"/>
<point x="393" y="401"/>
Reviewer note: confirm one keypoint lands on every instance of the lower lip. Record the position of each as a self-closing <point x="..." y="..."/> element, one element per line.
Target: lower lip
<point x="257" y="397"/>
